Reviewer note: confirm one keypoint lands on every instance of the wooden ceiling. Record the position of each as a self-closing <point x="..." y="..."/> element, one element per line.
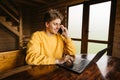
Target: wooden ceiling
<point x="36" y="3"/>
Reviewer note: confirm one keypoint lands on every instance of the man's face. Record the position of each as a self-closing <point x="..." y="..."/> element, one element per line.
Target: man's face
<point x="53" y="26"/>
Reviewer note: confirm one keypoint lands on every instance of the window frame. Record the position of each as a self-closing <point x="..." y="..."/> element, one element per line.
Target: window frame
<point x="84" y="39"/>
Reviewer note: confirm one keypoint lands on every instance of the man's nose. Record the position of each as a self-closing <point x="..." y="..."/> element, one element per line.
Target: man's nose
<point x="58" y="26"/>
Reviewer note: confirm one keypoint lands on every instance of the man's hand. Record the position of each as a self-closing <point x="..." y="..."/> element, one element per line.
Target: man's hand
<point x="64" y="31"/>
<point x="67" y="59"/>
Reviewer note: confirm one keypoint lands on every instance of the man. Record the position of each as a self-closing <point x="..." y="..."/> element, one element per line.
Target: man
<point x="49" y="46"/>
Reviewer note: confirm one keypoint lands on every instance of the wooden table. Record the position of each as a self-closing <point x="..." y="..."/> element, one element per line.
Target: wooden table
<point x="107" y="68"/>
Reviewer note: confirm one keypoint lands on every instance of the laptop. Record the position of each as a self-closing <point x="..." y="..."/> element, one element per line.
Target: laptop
<point x="80" y="64"/>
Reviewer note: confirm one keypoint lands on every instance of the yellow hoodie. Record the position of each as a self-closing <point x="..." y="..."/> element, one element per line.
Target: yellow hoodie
<point x="43" y="49"/>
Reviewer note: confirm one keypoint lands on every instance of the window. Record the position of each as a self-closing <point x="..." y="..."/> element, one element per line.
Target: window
<point x="98" y="26"/>
<point x="99" y="19"/>
<point x="75" y="24"/>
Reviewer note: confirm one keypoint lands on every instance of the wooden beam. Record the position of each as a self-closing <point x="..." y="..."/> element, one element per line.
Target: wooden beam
<point x="21" y="31"/>
<point x="84" y="43"/>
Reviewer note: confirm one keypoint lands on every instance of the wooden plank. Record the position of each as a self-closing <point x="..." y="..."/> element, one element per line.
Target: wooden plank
<point x="14" y="71"/>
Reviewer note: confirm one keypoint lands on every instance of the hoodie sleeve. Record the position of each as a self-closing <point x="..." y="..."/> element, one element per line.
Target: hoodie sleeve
<point x="69" y="47"/>
<point x="34" y="55"/>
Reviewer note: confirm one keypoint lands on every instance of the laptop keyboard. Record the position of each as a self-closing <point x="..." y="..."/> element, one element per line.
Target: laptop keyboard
<point x="81" y="65"/>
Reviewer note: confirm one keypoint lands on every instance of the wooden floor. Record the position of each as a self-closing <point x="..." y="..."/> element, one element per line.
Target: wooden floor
<point x="107" y="68"/>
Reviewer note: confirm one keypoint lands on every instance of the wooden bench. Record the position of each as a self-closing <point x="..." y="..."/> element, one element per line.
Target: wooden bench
<point x="12" y="62"/>
<point x="11" y="59"/>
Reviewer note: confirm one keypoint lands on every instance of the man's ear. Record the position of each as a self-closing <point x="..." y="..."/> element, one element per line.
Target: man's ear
<point x="46" y="24"/>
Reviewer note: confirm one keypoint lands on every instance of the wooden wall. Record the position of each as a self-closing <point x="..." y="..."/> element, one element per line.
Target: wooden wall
<point x="26" y="15"/>
<point x="116" y="44"/>
<point x="8" y="41"/>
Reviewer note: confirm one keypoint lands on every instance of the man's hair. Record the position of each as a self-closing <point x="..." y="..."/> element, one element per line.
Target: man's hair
<point x="52" y="14"/>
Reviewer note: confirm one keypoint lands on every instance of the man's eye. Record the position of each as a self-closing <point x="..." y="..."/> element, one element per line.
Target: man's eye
<point x="55" y="24"/>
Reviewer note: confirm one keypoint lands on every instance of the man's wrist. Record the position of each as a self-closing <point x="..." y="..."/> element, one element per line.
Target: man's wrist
<point x="57" y="61"/>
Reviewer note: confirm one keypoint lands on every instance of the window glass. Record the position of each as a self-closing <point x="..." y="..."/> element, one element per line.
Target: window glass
<point x="75" y="14"/>
<point x="99" y="21"/>
<point x="77" y="46"/>
<point x="95" y="47"/>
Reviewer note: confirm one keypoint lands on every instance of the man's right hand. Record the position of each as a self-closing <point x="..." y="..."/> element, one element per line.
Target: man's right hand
<point x="66" y="59"/>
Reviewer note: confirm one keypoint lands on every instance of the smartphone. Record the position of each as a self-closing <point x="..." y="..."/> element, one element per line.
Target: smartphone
<point x="60" y="31"/>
